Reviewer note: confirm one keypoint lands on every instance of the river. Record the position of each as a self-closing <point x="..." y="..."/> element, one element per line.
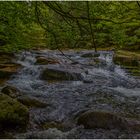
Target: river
<point x="66" y="99"/>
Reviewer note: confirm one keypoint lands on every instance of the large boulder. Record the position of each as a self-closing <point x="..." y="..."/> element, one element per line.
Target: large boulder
<point x="93" y="119"/>
<point x="31" y="101"/>
<point x="53" y="72"/>
<point x="45" y="61"/>
<point x="11" y="91"/>
<point x="12" y="113"/>
<point x="100" y="119"/>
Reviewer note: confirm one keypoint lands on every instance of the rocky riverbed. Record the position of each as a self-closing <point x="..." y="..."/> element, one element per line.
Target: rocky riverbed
<point x="78" y="94"/>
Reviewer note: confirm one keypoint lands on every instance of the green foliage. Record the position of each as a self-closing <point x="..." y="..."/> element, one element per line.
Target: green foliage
<point x="64" y="24"/>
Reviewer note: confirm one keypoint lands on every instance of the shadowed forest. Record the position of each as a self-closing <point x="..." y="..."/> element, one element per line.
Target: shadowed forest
<point x="70" y="69"/>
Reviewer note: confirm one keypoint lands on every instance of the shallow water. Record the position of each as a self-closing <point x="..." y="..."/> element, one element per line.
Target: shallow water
<point x="66" y="99"/>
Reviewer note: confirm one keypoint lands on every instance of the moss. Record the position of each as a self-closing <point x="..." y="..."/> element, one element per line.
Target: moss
<point x="130" y="61"/>
<point x="130" y="54"/>
<point x="135" y="72"/>
<point x="12" y="113"/>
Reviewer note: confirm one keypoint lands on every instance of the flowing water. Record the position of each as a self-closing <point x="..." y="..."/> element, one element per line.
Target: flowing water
<point x="66" y="99"/>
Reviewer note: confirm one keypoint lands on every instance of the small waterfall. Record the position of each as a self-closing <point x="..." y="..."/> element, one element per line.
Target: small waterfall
<point x="28" y="77"/>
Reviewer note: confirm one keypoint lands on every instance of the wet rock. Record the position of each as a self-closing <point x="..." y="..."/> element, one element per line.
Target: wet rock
<point x="31" y="101"/>
<point x="100" y="119"/>
<point x="6" y="57"/>
<point x="61" y="73"/>
<point x="53" y="124"/>
<point x="11" y="91"/>
<point x="96" y="54"/>
<point x="44" y="61"/>
<point x="107" y="120"/>
<point x="74" y="63"/>
<point x="6" y="70"/>
<point x="86" y="80"/>
<point x="90" y="55"/>
<point x="51" y="133"/>
<point x="12" y="113"/>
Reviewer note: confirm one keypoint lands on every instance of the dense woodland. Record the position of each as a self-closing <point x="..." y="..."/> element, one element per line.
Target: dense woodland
<point x="56" y="25"/>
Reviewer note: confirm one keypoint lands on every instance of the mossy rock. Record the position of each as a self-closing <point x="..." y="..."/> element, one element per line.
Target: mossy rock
<point x="31" y="102"/>
<point x="6" y="70"/>
<point x="127" y="58"/>
<point x="96" y="55"/>
<point x="7" y="67"/>
<point x="45" y="61"/>
<point x="90" y="55"/>
<point x="134" y="72"/>
<point x="100" y="119"/>
<point x="12" y="113"/>
<point x="11" y="91"/>
<point x="6" y="57"/>
<point x="52" y="124"/>
<point x="58" y="73"/>
<point x="125" y="61"/>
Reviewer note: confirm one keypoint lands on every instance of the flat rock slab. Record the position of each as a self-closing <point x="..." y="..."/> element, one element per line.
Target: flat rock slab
<point x="61" y="72"/>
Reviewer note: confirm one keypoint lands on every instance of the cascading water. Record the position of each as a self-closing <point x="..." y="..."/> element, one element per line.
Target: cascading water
<point x="66" y="98"/>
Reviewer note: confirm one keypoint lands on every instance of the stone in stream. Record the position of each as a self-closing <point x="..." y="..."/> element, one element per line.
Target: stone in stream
<point x="91" y="55"/>
<point x="53" y="72"/>
<point x="6" y="70"/>
<point x="45" y="61"/>
<point x="106" y="120"/>
<point x="51" y="133"/>
<point x="11" y="91"/>
<point x="53" y="124"/>
<point x="12" y="113"/>
<point x="7" y="67"/>
<point x="31" y="102"/>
